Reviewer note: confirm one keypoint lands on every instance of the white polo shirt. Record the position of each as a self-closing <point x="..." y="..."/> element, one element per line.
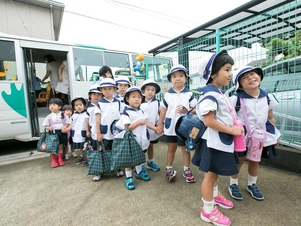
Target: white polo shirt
<point x="257" y="112"/>
<point x="171" y="100"/>
<point x="92" y="110"/>
<point x="213" y="100"/>
<point x="152" y="109"/>
<point x="78" y="124"/>
<point x="130" y="116"/>
<point x="110" y="111"/>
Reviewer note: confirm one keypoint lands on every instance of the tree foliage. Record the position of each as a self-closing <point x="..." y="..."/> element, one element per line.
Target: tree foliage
<point x="288" y="47"/>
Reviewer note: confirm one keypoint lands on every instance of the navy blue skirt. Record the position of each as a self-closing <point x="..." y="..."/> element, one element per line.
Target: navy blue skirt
<point x="78" y="145"/>
<point x="212" y="160"/>
<point x="268" y="152"/>
<point x="107" y="144"/>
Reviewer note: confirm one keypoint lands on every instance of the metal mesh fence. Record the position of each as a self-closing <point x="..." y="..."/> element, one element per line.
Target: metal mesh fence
<point x="272" y="41"/>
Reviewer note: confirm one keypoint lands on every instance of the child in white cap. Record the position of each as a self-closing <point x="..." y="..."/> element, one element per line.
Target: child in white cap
<point x="94" y="96"/>
<point x="175" y="100"/>
<point x="258" y="107"/>
<point x="123" y="83"/>
<point x="108" y="112"/>
<point x="136" y="120"/>
<point x="151" y="106"/>
<point x="215" y="153"/>
<point x="78" y="123"/>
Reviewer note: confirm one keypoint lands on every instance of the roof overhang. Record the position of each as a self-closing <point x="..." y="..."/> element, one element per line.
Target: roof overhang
<point x="57" y="10"/>
<point x="241" y="36"/>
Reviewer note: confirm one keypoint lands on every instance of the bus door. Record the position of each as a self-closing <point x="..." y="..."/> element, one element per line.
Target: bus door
<point x="30" y="84"/>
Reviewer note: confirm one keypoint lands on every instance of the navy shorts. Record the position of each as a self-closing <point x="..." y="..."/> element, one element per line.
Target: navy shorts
<point x="63" y="137"/>
<point x="174" y="139"/>
<point x="154" y="141"/>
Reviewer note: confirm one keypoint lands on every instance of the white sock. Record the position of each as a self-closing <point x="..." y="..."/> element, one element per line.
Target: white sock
<point x="138" y="169"/>
<point x="233" y="181"/>
<point x="128" y="174"/>
<point x="208" y="206"/>
<point x="251" y="179"/>
<point x="150" y="160"/>
<point x="186" y="168"/>
<point x="168" y="167"/>
<point x="215" y="191"/>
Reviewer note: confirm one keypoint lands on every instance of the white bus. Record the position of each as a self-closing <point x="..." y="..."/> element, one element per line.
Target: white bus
<point x="21" y="115"/>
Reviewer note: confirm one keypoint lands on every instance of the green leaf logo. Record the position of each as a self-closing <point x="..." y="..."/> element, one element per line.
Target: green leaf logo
<point x="16" y="99"/>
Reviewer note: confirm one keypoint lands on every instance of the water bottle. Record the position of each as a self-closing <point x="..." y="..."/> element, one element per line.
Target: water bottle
<point x="239" y="141"/>
<point x="189" y="145"/>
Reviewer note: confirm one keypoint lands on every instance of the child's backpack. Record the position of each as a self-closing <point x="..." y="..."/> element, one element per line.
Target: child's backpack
<point x="190" y="129"/>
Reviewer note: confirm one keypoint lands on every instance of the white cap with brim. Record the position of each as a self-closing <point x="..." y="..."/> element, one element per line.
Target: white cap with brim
<point x="94" y="88"/>
<point x="129" y="90"/>
<point x="178" y="67"/>
<point x="123" y="80"/>
<point x="206" y="65"/>
<point x="240" y="71"/>
<point x="78" y="98"/>
<point x="151" y="82"/>
<point x="107" y="82"/>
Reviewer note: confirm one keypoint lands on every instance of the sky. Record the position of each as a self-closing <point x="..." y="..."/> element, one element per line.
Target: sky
<point x="136" y="26"/>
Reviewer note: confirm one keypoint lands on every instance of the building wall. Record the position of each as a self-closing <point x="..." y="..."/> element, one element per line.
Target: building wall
<point x="37" y="20"/>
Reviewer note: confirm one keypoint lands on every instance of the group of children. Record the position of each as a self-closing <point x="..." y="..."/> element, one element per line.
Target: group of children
<point x="139" y="110"/>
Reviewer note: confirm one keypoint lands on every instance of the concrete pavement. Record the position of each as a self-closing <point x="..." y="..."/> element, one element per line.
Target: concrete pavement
<point x="34" y="194"/>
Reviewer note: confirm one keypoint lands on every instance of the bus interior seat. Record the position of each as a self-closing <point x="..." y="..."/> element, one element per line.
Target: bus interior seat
<point x="95" y="75"/>
<point x="44" y="95"/>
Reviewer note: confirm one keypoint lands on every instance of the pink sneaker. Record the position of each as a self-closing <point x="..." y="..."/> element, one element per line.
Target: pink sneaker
<point x="222" y="201"/>
<point x="215" y="217"/>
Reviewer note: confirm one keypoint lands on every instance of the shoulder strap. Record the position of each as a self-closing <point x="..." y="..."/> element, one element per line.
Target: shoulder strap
<point x="237" y="106"/>
<point x="244" y="113"/>
<point x="158" y="106"/>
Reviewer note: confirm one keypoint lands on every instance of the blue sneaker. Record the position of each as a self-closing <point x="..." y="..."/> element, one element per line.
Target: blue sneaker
<point x="129" y="183"/>
<point x="153" y="166"/>
<point x="143" y="175"/>
<point x="254" y="191"/>
<point x="235" y="192"/>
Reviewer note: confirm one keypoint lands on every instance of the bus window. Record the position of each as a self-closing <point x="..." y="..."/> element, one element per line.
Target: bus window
<point x="157" y="67"/>
<point x="86" y="62"/>
<point x="118" y="62"/>
<point x="8" y="69"/>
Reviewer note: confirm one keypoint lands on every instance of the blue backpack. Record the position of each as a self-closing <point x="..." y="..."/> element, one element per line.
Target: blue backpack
<point x="190" y="129"/>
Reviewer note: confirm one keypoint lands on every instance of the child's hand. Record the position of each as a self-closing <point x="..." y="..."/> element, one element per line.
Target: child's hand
<point x="99" y="136"/>
<point x="88" y="134"/>
<point x="237" y="131"/>
<point x="50" y="128"/>
<point x="158" y="130"/>
<point x="180" y="108"/>
<point x="142" y="121"/>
